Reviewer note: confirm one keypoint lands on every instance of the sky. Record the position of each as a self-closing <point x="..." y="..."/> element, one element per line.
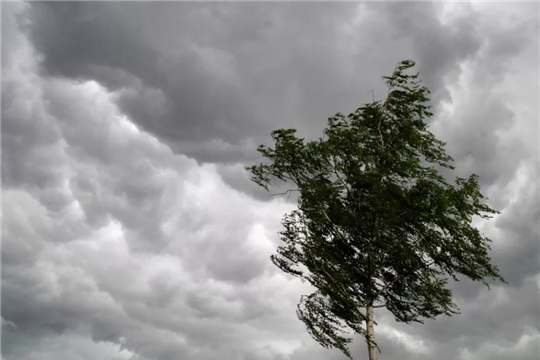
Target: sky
<point x="130" y="229"/>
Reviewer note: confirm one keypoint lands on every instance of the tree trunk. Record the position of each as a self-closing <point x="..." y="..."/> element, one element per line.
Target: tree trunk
<point x="370" y="328"/>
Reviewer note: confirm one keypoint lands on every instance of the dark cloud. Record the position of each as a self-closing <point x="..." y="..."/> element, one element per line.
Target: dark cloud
<point x="520" y="237"/>
<point x="214" y="81"/>
<point x="438" y="48"/>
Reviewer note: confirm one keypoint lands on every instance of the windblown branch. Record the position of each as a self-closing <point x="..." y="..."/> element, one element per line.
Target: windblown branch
<point x="364" y="317"/>
<point x="382" y="115"/>
<point x="400" y="277"/>
<point x="336" y="229"/>
<point x="332" y="165"/>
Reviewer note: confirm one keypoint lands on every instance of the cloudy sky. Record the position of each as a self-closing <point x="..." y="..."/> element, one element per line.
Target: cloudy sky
<point x="130" y="228"/>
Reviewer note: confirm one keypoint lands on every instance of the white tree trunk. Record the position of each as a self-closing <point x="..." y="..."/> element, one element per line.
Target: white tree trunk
<point x="370" y="328"/>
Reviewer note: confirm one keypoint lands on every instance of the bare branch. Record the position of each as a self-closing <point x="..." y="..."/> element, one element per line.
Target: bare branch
<point x="288" y="193"/>
<point x="372" y="94"/>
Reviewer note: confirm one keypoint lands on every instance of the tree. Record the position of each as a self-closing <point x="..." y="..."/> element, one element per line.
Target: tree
<point x="377" y="226"/>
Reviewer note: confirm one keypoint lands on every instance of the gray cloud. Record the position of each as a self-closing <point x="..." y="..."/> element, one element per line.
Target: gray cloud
<point x="214" y="81"/>
<point x="132" y="229"/>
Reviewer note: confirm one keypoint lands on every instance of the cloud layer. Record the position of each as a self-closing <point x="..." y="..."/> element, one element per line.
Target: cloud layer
<point x="130" y="228"/>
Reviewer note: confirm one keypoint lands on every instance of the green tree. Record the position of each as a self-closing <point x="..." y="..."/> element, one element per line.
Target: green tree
<point x="377" y="226"/>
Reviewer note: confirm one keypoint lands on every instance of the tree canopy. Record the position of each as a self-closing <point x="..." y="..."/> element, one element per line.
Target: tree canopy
<point x="377" y="225"/>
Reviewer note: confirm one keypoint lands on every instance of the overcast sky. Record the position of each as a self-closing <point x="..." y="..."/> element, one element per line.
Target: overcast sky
<point x="130" y="228"/>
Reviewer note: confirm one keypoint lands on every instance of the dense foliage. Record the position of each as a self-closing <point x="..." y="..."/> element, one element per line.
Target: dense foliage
<point x="376" y="224"/>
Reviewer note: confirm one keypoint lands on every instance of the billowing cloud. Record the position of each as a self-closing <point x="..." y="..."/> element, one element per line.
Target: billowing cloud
<point x="130" y="227"/>
<point x="213" y="80"/>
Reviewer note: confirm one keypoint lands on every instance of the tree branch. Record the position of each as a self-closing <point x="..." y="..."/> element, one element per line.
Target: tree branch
<point x="334" y="225"/>
<point x="382" y="114"/>
<point x="336" y="229"/>
<point x="288" y="193"/>
<point x="332" y="165"/>
<point x="364" y="317"/>
<point x="387" y="285"/>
